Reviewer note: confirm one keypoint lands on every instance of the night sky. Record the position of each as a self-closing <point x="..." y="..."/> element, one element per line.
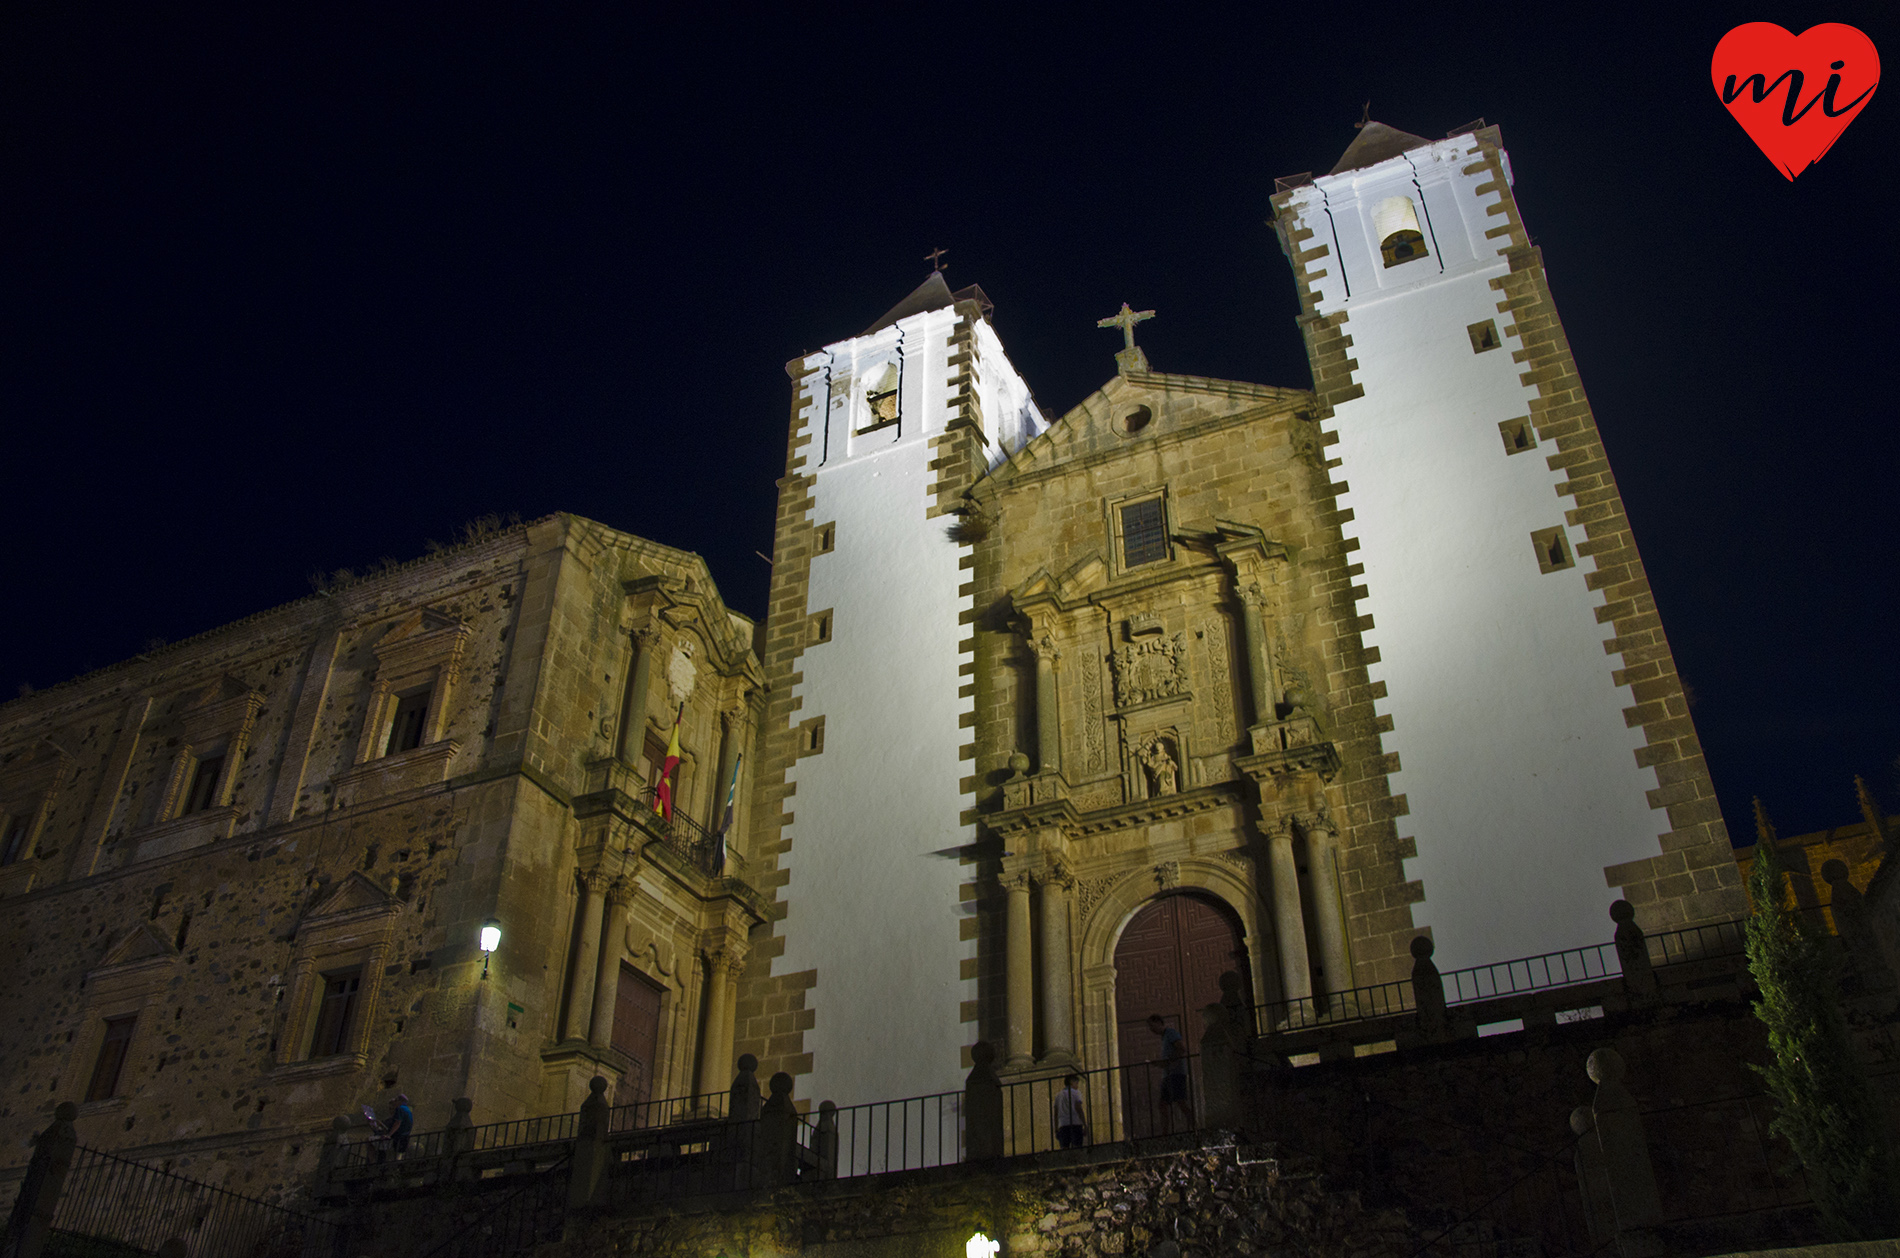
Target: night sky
<point x="287" y="289"/>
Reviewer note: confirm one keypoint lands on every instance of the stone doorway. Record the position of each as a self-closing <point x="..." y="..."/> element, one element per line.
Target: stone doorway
<point x="1169" y="961"/>
<point x="636" y="1033"/>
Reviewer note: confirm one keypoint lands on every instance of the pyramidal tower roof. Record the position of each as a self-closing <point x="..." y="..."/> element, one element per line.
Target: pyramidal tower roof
<point x="1376" y="143"/>
<point x="932" y="294"/>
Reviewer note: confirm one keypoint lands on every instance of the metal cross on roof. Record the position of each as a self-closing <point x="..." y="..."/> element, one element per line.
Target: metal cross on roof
<point x="932" y="257"/>
<point x="1126" y="321"/>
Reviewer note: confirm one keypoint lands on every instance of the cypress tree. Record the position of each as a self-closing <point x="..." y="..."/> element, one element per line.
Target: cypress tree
<point x="1827" y="1112"/>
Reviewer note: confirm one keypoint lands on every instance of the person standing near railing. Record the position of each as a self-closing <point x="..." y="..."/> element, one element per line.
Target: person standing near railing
<point x="1174" y="1075"/>
<point x="1072" y="1124"/>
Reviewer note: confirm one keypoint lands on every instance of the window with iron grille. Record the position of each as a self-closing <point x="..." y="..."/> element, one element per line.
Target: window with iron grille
<point x="1144" y="532"/>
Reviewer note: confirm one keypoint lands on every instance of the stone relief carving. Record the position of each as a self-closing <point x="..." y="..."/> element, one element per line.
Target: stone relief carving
<point x="1152" y="669"/>
<point x="681" y="672"/>
<point x="1092" y="713"/>
<point x="1219" y="706"/>
<point x="1294" y="679"/>
<point x="1089" y="892"/>
<point x="1168" y="875"/>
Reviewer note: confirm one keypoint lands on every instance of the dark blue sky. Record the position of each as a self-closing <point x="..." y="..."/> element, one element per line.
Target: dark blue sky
<point x="293" y="288"/>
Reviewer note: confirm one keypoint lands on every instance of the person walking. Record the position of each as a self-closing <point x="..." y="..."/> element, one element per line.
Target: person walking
<point x="401" y="1123"/>
<point x="1174" y="1075"/>
<point x="1072" y="1124"/>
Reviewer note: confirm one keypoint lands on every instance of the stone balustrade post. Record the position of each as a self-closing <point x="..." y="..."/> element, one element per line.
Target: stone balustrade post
<point x="458" y="1140"/>
<point x="1289" y="920"/>
<point x="1019" y="986"/>
<point x="1048" y="731"/>
<point x="589" y="1165"/>
<point x="1625" y="1148"/>
<point x="331" y="1152"/>
<point x="1239" y="1012"/>
<point x="775" y="1149"/>
<point x="32" y="1219"/>
<point x="824" y="1141"/>
<point x="1220" y="1069"/>
<point x="1428" y="989"/>
<point x="1593" y="1177"/>
<point x="1058" y="1020"/>
<point x="743" y="1102"/>
<point x="1632" y="953"/>
<point x="982" y="1106"/>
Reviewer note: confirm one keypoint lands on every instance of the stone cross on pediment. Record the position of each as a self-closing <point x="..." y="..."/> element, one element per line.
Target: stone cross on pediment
<point x="1126" y="321"/>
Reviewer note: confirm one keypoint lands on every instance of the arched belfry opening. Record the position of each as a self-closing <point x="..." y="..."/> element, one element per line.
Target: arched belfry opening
<point x="1169" y="961"/>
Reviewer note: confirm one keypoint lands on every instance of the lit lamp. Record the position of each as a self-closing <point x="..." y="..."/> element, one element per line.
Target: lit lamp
<point x="491" y="939"/>
<point x="981" y="1246"/>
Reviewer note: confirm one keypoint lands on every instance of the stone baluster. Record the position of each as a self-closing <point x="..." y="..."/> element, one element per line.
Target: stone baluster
<point x="1260" y="672"/>
<point x="1632" y="952"/>
<point x="589" y="1164"/>
<point x="743" y="1101"/>
<point x="1322" y="865"/>
<point x="331" y="1152"/>
<point x="1058" y="1022"/>
<point x="1619" y="1129"/>
<point x="600" y="1028"/>
<point x="982" y="1106"/>
<point x="458" y="1138"/>
<point x="1048" y="731"/>
<point x="1233" y="996"/>
<point x="580" y="984"/>
<point x="1428" y="989"/>
<point x="1593" y="1177"/>
<point x="1020" y="984"/>
<point x="1221" y="1051"/>
<point x="775" y="1150"/>
<point x="1289" y="921"/>
<point x="824" y="1141"/>
<point x="723" y="970"/>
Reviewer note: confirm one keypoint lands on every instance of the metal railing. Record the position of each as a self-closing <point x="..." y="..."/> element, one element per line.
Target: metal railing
<point x="906" y="1135"/>
<point x="697" y="1158"/>
<point x="110" y="1200"/>
<point x="667" y="1111"/>
<point x="1133" y="1102"/>
<point x="1698" y="943"/>
<point x="704" y="849"/>
<point x="424" y="1146"/>
<point x="515" y="1222"/>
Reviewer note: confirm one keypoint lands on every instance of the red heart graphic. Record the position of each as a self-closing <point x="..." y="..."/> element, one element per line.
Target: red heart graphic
<point x="1795" y="94"/>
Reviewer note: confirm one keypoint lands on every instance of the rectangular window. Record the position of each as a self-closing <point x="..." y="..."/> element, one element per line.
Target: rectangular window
<point x="111" y="1060"/>
<point x="1553" y="550"/>
<point x="1144" y="532"/>
<point x="335" y="1014"/>
<point x="15" y="846"/>
<point x="204" y="784"/>
<point x="1484" y="336"/>
<point x="405" y="728"/>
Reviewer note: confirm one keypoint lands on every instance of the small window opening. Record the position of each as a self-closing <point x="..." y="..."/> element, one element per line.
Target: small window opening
<point x="110" y="1063"/>
<point x="204" y="784"/>
<point x="821" y="627"/>
<point x="827" y="538"/>
<point x="15" y="846"/>
<point x="1518" y="436"/>
<point x="333" y="1015"/>
<point x="1553" y="550"/>
<point x="1484" y="336"/>
<point x="405" y="728"/>
<point x="184" y="932"/>
<point x="1144" y="532"/>
<point x="880" y="399"/>
<point x="1136" y="420"/>
<point x="811" y="737"/>
<point x="1395" y="222"/>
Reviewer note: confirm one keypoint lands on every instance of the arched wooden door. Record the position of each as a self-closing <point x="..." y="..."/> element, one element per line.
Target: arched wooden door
<point x="1169" y="961"/>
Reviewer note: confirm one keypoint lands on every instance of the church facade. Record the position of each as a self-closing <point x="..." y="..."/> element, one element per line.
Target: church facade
<point x="1053" y="722"/>
<point x="1243" y="677"/>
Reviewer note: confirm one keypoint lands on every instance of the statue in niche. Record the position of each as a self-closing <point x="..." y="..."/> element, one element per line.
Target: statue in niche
<point x="1164" y="777"/>
<point x="1153" y="669"/>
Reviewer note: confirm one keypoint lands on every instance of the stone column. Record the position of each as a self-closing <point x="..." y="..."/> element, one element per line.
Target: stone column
<point x="580" y="981"/>
<point x="1259" y="654"/>
<point x="1048" y="733"/>
<point x="630" y="738"/>
<point x="715" y="1050"/>
<point x="1058" y="1021"/>
<point x="1322" y="865"/>
<point x="600" y="1030"/>
<point x="1289" y="923"/>
<point x="1021" y="984"/>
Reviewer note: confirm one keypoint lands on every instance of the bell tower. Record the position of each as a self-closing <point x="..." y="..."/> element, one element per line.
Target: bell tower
<point x="1544" y="744"/>
<point x="865" y="785"/>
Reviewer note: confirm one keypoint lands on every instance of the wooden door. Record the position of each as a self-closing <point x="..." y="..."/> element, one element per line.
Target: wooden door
<point x="1169" y="961"/>
<point x="636" y="1033"/>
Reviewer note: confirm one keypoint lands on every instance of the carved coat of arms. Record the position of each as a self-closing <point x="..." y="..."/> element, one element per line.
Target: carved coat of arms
<point x="1153" y="669"/>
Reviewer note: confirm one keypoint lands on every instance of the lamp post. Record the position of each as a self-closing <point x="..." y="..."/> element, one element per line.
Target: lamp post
<point x="490" y="940"/>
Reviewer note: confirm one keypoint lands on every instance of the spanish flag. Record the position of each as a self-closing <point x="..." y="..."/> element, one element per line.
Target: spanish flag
<point x="663" y="789"/>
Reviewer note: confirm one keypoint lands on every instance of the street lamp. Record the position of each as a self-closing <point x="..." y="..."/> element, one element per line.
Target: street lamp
<point x="981" y="1246"/>
<point x="491" y="939"/>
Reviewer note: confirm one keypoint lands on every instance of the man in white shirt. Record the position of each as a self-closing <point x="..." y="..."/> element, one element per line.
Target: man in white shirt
<point x="1072" y="1124"/>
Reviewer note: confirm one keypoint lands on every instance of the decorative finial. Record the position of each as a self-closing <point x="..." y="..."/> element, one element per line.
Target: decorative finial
<point x="1130" y="358"/>
<point x="1870" y="811"/>
<point x="1764" y="828"/>
<point x="932" y="258"/>
<point x="1365" y="118"/>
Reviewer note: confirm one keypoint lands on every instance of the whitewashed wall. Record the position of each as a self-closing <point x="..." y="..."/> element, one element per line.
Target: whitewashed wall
<point x="1515" y="758"/>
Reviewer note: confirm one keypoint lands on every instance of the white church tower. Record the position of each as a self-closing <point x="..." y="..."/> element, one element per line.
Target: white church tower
<point x="867" y="787"/>
<point x="1544" y="743"/>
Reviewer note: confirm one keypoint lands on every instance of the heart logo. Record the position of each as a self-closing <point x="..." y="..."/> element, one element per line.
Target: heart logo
<point x="1795" y="94"/>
